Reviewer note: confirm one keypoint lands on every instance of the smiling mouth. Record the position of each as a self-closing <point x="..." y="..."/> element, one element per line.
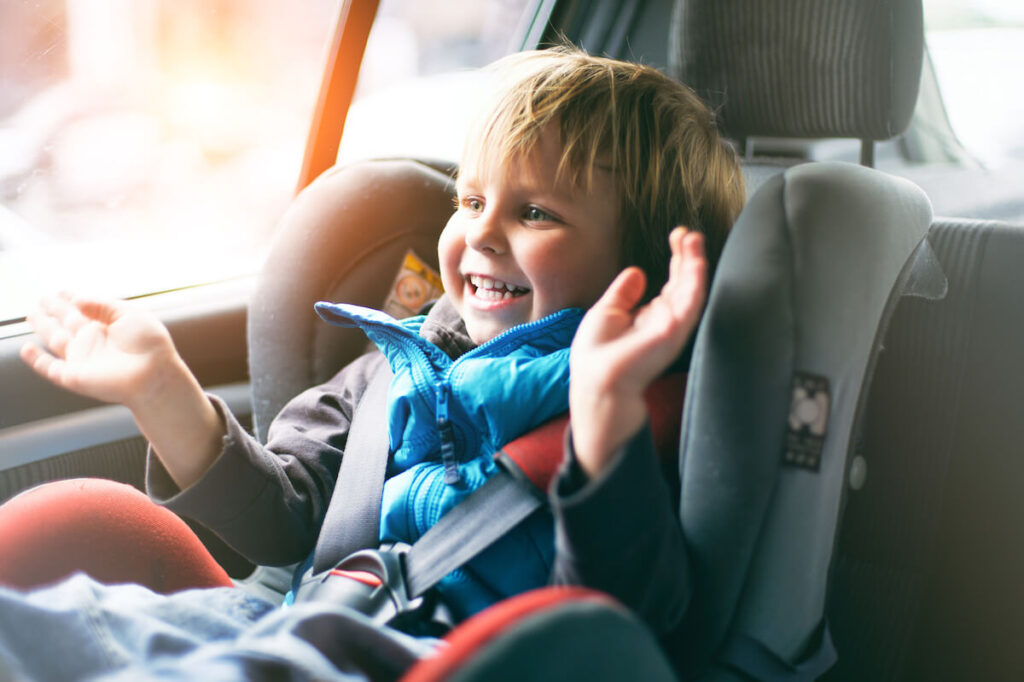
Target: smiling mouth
<point x="492" y="289"/>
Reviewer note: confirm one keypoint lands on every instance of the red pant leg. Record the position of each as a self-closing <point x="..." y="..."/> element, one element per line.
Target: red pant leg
<point x="109" y="530"/>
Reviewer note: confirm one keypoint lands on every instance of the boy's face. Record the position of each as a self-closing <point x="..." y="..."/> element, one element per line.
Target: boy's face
<point x="522" y="246"/>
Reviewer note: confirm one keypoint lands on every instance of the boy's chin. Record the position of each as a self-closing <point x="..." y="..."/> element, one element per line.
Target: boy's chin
<point x="482" y="333"/>
<point x="483" y="330"/>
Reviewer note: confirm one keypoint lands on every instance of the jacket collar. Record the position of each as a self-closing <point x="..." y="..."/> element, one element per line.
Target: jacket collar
<point x="445" y="329"/>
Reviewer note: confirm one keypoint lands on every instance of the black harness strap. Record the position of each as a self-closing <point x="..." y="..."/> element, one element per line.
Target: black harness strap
<point x="353" y="514"/>
<point x="469" y="528"/>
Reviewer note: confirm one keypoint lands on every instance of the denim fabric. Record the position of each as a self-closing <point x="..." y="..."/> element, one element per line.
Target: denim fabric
<point x="82" y="630"/>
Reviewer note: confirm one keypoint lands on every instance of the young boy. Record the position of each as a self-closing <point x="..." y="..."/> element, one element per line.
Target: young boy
<point x="580" y="168"/>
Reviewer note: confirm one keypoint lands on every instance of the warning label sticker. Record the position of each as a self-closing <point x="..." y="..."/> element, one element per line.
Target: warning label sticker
<point x="808" y="421"/>
<point x="415" y="284"/>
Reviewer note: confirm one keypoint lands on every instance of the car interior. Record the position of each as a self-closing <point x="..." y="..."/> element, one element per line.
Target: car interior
<point x="848" y="453"/>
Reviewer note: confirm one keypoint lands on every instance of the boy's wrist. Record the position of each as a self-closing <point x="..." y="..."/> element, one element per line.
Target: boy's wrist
<point x="601" y="423"/>
<point x="177" y="418"/>
<point x="167" y="377"/>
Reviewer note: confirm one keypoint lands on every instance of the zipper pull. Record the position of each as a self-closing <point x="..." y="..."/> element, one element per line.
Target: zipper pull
<point x="447" y="434"/>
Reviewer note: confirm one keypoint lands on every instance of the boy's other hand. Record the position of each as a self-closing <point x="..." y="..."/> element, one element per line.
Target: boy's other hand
<point x="107" y="350"/>
<point x="116" y="352"/>
<point x="620" y="349"/>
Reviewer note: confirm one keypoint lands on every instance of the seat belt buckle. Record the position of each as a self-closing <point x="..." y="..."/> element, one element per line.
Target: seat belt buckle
<point x="370" y="581"/>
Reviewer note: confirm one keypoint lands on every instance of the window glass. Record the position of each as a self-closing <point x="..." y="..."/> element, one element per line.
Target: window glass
<point x="147" y="145"/>
<point x="977" y="48"/>
<point x="417" y="84"/>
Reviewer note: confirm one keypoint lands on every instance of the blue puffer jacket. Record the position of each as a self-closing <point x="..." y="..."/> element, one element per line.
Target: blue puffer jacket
<point x="446" y="420"/>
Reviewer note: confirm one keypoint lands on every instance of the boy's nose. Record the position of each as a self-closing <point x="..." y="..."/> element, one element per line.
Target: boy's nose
<point x="486" y="234"/>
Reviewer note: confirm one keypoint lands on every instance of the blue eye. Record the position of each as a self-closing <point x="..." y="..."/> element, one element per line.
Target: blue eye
<point x="535" y="214"/>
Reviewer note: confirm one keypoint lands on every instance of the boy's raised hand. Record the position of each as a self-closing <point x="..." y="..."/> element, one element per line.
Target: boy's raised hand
<point x="115" y="352"/>
<point x="110" y="351"/>
<point x="620" y="349"/>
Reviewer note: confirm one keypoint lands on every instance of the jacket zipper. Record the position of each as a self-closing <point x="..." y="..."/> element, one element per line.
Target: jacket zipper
<point x="447" y="434"/>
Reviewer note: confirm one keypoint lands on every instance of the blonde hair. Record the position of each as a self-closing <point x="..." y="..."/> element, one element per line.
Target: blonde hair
<point x="669" y="164"/>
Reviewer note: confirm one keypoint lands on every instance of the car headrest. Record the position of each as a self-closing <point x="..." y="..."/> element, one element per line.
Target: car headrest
<point x="802" y="68"/>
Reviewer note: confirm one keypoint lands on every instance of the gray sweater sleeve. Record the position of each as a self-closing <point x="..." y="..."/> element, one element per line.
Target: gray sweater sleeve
<point x="620" y="534"/>
<point x="268" y="502"/>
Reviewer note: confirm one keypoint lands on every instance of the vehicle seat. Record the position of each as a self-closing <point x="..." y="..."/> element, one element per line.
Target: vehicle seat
<point x="800" y="328"/>
<point x="927" y="578"/>
<point x="924" y="582"/>
<point x="782" y="358"/>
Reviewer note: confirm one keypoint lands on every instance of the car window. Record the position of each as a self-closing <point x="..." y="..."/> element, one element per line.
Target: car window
<point x="977" y="50"/>
<point x="965" y="147"/>
<point x="418" y="82"/>
<point x="148" y="145"/>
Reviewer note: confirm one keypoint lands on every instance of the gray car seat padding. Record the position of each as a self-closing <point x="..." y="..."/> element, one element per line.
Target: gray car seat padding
<point x="803" y="287"/>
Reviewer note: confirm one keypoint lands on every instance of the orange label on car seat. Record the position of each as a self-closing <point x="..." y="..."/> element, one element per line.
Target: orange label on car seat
<point x="415" y="284"/>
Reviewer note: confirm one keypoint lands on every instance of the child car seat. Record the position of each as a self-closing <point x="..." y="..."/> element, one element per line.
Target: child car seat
<point x="821" y="331"/>
<point x="788" y="241"/>
<point x="924" y="584"/>
<point x="791" y="69"/>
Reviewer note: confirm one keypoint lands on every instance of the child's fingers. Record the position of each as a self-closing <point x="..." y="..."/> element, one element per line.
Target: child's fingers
<point x="49" y="330"/>
<point x="97" y="309"/>
<point x="685" y="290"/>
<point x="685" y="246"/>
<point x="625" y="291"/>
<point x="43" y="363"/>
<point x="64" y="311"/>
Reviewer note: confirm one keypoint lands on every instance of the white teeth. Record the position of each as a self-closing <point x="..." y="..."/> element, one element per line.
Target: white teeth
<point x="489" y="288"/>
<point x="494" y="294"/>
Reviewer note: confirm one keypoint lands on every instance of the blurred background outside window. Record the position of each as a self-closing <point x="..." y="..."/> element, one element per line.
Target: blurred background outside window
<point x="977" y="49"/>
<point x="148" y="145"/>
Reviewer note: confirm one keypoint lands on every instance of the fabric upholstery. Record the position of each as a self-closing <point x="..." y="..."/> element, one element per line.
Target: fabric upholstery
<point x="928" y="568"/>
<point x="802" y="68"/>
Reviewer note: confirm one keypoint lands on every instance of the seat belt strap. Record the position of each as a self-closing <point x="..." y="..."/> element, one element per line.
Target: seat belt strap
<point x="353" y="514"/>
<point x="480" y="520"/>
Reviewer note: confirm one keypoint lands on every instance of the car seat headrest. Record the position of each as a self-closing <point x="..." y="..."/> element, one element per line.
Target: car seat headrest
<point x="802" y="68"/>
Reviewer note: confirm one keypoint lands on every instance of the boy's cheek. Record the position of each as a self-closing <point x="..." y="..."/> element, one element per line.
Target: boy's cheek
<point x="448" y="256"/>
